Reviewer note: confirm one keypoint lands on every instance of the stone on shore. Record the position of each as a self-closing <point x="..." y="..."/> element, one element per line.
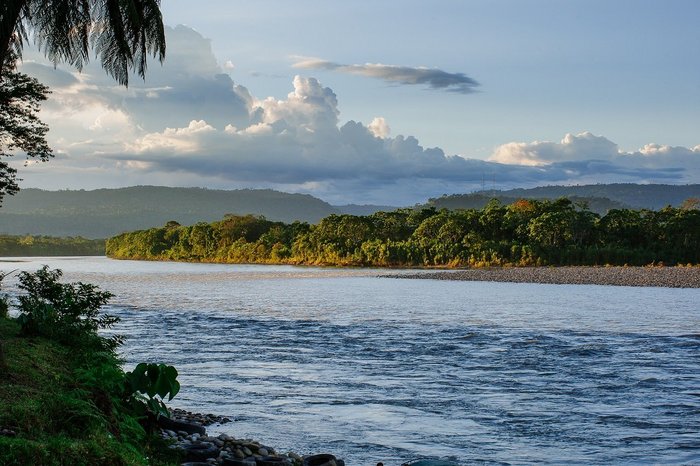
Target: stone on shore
<point x="668" y="277"/>
<point x="202" y="448"/>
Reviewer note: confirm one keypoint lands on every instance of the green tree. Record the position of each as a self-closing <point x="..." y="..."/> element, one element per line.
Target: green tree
<point x="122" y="34"/>
<point x="20" y="127"/>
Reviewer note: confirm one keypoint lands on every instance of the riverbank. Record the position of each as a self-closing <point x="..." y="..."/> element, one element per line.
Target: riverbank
<point x="54" y="409"/>
<point x="667" y="277"/>
<point x="50" y="414"/>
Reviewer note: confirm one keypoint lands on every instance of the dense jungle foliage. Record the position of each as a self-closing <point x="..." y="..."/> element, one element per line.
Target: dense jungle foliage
<point x="49" y="246"/>
<point x="526" y="232"/>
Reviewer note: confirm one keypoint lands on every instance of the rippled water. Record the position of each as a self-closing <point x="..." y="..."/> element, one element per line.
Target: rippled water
<point x="379" y="369"/>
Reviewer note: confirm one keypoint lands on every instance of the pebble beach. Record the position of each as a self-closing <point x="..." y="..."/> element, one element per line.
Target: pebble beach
<point x="668" y="277"/>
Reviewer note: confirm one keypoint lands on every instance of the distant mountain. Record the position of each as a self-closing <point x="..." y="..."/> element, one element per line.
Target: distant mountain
<point x="638" y="196"/>
<point x="599" y="197"/>
<point x="105" y="212"/>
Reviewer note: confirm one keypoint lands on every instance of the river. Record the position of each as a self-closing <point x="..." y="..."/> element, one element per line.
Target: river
<point x="379" y="369"/>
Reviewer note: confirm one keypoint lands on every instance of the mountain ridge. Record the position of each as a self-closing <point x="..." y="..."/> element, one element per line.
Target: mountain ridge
<point x="104" y="212"/>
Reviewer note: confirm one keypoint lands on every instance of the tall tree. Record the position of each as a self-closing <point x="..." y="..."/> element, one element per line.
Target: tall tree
<point x="20" y="127"/>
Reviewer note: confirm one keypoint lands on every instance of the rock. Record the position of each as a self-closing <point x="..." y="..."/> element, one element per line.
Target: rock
<point x="239" y="454"/>
<point x="323" y="459"/>
<point x="180" y="426"/>
<point x="238" y="462"/>
<point x="271" y="461"/>
<point x="263" y="452"/>
<point x="200" y="451"/>
<point x="247" y="451"/>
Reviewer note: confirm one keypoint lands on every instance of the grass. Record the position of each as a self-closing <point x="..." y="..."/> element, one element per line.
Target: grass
<point x="50" y="397"/>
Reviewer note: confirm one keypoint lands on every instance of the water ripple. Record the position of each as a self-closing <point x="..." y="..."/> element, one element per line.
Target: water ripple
<point x="375" y="369"/>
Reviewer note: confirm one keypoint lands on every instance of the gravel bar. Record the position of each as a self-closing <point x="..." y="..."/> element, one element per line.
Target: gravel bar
<point x="667" y="277"/>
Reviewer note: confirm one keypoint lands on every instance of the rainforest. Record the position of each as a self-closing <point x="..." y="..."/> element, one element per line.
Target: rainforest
<point x="523" y="233"/>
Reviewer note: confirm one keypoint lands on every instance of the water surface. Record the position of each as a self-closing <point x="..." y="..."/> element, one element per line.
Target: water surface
<point x="380" y="369"/>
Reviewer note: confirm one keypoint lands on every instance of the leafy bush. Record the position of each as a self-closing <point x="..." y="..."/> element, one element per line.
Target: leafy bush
<point x="65" y="312"/>
<point x="147" y="386"/>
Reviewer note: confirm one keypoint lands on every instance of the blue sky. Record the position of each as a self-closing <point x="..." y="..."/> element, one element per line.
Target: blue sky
<point x="387" y="94"/>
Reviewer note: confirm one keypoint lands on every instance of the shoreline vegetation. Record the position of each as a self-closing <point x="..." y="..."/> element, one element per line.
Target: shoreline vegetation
<point x="524" y="233"/>
<point x="39" y="245"/>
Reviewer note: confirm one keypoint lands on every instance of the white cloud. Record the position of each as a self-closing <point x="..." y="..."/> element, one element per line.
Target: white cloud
<point x="587" y="147"/>
<point x="379" y="127"/>
<point x="572" y="147"/>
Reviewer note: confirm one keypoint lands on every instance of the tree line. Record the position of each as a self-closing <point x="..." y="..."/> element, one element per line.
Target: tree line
<point x="14" y="246"/>
<point x="523" y="233"/>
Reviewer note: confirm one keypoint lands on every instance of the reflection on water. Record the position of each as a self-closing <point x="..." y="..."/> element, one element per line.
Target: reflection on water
<point x="377" y="369"/>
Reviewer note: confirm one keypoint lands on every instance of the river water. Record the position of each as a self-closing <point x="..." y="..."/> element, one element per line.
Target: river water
<point x="380" y="369"/>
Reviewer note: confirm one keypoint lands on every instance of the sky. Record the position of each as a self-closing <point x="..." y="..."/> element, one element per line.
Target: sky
<point x="388" y="101"/>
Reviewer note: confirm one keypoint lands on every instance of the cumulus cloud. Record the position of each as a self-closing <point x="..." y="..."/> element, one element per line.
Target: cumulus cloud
<point x="572" y="147"/>
<point x="586" y="153"/>
<point x="190" y="124"/>
<point x="295" y="140"/>
<point x="190" y="85"/>
<point x="406" y="75"/>
<point x="379" y="127"/>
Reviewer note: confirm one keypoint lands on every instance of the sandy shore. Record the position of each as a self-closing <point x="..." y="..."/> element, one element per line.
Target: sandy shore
<point x="669" y="277"/>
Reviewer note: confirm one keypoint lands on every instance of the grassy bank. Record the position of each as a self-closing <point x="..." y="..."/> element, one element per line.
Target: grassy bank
<point x="62" y="392"/>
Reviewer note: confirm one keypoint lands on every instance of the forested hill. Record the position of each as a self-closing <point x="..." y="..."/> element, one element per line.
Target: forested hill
<point x="637" y="196"/>
<point x="105" y="212"/>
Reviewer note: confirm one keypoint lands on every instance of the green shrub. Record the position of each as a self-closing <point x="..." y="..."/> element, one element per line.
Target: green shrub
<point x="65" y="312"/>
<point x="77" y="406"/>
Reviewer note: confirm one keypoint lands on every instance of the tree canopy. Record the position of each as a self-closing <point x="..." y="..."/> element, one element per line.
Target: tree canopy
<point x="20" y="127"/>
<point x="526" y="232"/>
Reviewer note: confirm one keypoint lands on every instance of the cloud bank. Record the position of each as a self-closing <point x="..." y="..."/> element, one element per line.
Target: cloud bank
<point x="190" y="124"/>
<point x="433" y="78"/>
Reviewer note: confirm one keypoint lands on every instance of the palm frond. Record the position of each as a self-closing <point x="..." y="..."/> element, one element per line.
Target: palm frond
<point x="61" y="28"/>
<point x="125" y="32"/>
<point x="13" y="34"/>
